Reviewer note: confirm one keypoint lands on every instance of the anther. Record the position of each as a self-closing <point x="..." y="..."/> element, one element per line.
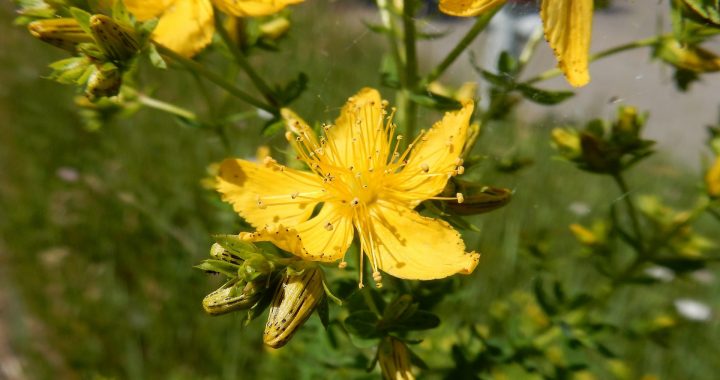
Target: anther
<point x="328" y="226"/>
<point x="460" y="170"/>
<point x="399" y="137"/>
<point x="377" y="276"/>
<point x="459" y="161"/>
<point x="288" y="135"/>
<point x="355" y="201"/>
<point x="294" y="195"/>
<point x="343" y="265"/>
<point x="261" y="205"/>
<point x="460" y="198"/>
<point x="425" y="167"/>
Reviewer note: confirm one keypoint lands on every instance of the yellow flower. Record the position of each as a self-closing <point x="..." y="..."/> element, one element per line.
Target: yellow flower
<point x="567" y="24"/>
<point x="187" y="26"/>
<point x="360" y="182"/>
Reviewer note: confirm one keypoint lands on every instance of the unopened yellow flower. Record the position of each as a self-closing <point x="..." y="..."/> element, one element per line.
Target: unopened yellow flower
<point x="567" y="24"/>
<point x="358" y="181"/>
<point x="187" y="26"/>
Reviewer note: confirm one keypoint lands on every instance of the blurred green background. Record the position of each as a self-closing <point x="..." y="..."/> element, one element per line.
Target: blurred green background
<point x="99" y="230"/>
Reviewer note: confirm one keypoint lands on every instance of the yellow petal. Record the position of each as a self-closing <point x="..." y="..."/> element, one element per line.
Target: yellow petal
<point x="268" y="196"/>
<point x="468" y="8"/>
<point x="245" y="8"/>
<point x="298" y="126"/>
<point x="414" y="247"/>
<point x="147" y="9"/>
<point x="568" y="25"/>
<point x="186" y="27"/>
<point x="324" y="237"/>
<point x="434" y="159"/>
<point x="362" y="119"/>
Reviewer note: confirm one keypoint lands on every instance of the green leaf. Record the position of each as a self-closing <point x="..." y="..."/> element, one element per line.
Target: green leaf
<point x="120" y="13"/>
<point x="155" y="58"/>
<point x="707" y="9"/>
<point x="83" y="18"/>
<point x="323" y="311"/>
<point x="389" y="72"/>
<point x="543" y="96"/>
<point x="435" y="101"/>
<point x="362" y="323"/>
<point x="420" y="320"/>
<point x="291" y="91"/>
<point x="502" y="81"/>
<point x="542" y="298"/>
<point x="218" y="266"/>
<point x="273" y="127"/>
<point x="507" y="64"/>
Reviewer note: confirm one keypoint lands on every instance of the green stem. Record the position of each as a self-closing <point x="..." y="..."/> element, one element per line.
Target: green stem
<point x="594" y="57"/>
<point x="632" y="212"/>
<point x="240" y="59"/>
<point x="217" y="79"/>
<point x="388" y="21"/>
<point x="166" y="107"/>
<point x="480" y="25"/>
<point x="411" y="67"/>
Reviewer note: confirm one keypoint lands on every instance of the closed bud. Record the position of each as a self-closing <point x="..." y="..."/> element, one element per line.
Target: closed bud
<point x="712" y="179"/>
<point x="104" y="81"/>
<point x="567" y="142"/>
<point x="394" y="359"/>
<point x="476" y="199"/>
<point x="234" y="295"/>
<point x="294" y="301"/>
<point x="64" y="33"/>
<point x="275" y="28"/>
<point x="118" y="42"/>
<point x="687" y="57"/>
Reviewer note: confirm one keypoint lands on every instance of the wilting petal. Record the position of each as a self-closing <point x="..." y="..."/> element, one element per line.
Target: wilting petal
<point x="268" y="196"/>
<point x="362" y="120"/>
<point x="467" y="8"/>
<point x="147" y="9"/>
<point x="414" y="247"/>
<point x="249" y="8"/>
<point x="324" y="237"/>
<point x="186" y="27"/>
<point x="433" y="159"/>
<point x="568" y="25"/>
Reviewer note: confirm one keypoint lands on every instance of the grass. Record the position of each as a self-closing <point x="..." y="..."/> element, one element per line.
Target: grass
<point x="97" y="267"/>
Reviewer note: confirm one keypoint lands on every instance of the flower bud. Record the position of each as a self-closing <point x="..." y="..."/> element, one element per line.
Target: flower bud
<point x="294" y="301"/>
<point x="233" y="295"/>
<point x="567" y="142"/>
<point x="687" y="57"/>
<point x="118" y="42"/>
<point x="104" y="81"/>
<point x="275" y="28"/>
<point x="712" y="179"/>
<point x="394" y="359"/>
<point x="64" y="33"/>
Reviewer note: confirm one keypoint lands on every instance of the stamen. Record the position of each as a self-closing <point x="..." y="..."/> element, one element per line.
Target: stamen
<point x="460" y="198"/>
<point x="329" y="226"/>
<point x="460" y="170"/>
<point x="343" y="264"/>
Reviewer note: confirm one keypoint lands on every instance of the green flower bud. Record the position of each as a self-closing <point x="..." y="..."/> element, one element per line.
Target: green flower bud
<point x="294" y="301"/>
<point x="394" y="359"/>
<point x="233" y="295"/>
<point x="104" y="81"/>
<point x="118" y="42"/>
<point x="64" y="33"/>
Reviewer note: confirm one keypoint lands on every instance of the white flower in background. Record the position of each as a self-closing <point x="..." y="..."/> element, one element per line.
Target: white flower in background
<point x="660" y="273"/>
<point x="692" y="309"/>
